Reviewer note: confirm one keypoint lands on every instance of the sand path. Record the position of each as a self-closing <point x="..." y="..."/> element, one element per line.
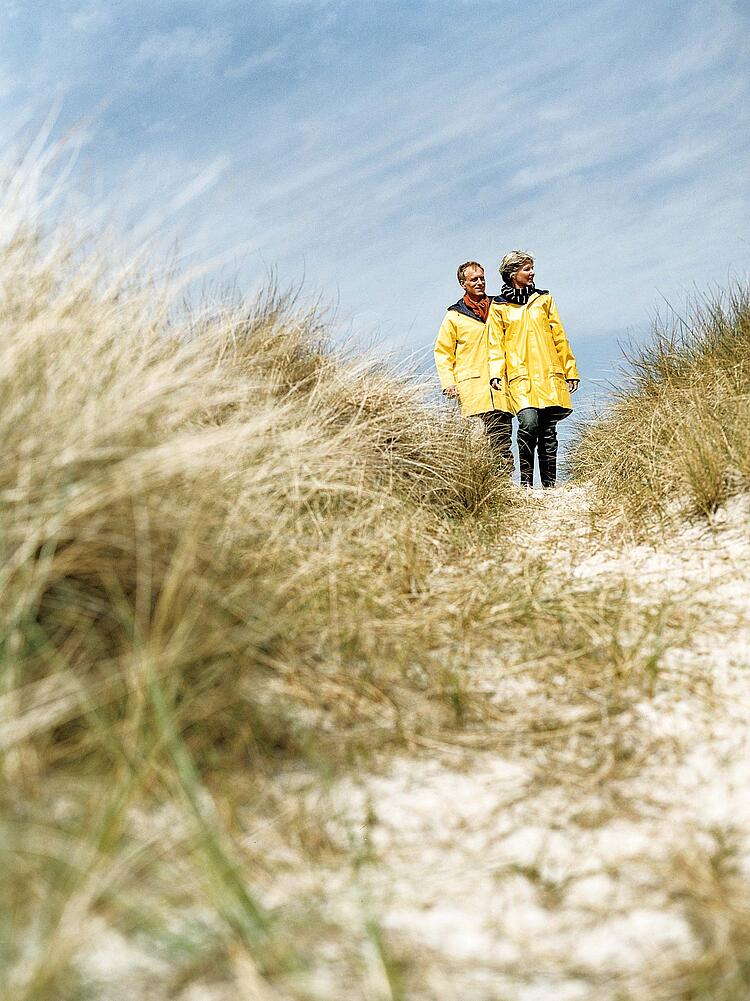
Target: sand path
<point x="507" y="884"/>
<point x="611" y="867"/>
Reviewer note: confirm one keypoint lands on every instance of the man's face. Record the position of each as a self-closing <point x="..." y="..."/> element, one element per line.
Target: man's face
<point x="473" y="282"/>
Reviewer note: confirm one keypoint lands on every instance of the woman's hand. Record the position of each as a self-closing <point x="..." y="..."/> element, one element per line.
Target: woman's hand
<point x="573" y="384"/>
<point x="451" y="392"/>
<point x="495" y="383"/>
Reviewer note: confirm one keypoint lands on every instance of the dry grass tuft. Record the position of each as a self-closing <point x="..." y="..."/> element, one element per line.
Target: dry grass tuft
<point x="705" y="884"/>
<point x="676" y="438"/>
<point x="711" y="889"/>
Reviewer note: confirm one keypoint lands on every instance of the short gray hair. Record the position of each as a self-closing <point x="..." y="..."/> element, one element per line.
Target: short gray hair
<point x="512" y="262"/>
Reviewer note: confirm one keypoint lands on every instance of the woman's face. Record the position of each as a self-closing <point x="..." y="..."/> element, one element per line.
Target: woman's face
<point x="524" y="276"/>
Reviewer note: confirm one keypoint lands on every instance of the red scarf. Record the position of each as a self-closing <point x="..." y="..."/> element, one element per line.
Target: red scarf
<point x="480" y="309"/>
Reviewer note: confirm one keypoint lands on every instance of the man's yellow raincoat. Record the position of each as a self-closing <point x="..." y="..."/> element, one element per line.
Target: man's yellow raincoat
<point x="462" y="360"/>
<point x="530" y="352"/>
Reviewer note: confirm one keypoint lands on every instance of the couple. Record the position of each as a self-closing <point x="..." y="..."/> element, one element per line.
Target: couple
<point x="509" y="355"/>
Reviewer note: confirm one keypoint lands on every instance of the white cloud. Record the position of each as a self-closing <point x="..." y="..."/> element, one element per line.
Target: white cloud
<point x="90" y="17"/>
<point x="7" y="84"/>
<point x="167" y="49"/>
<point x="11" y="8"/>
<point x="259" y="60"/>
<point x="612" y="146"/>
<point x="682" y="156"/>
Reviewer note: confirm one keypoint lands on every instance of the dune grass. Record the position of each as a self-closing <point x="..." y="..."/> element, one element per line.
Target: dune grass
<point x="228" y="551"/>
<point x="675" y="439"/>
<point x="709" y="885"/>
<point x="214" y="530"/>
<point x="216" y="533"/>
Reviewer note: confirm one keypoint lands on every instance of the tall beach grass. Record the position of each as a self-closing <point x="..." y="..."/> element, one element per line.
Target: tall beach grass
<point x="675" y="439"/>
<point x="230" y="552"/>
<point x="216" y="538"/>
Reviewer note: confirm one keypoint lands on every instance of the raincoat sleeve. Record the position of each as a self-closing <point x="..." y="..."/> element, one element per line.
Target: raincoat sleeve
<point x="496" y="335"/>
<point x="445" y="352"/>
<point x="562" y="345"/>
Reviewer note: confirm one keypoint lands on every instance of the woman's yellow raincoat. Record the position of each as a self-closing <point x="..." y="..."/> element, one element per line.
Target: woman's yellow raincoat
<point x="462" y="360"/>
<point x="530" y="352"/>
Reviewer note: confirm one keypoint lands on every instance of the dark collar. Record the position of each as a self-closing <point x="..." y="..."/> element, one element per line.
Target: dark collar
<point x="463" y="309"/>
<point x="537" y="291"/>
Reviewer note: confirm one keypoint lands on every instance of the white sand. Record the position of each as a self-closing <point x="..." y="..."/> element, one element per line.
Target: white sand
<point x="500" y="879"/>
<point x="509" y="889"/>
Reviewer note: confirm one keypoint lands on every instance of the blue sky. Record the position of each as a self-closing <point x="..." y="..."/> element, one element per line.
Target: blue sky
<point x="372" y="146"/>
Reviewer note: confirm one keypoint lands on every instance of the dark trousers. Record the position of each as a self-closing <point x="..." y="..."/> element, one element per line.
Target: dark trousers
<point x="537" y="432"/>
<point x="498" y="426"/>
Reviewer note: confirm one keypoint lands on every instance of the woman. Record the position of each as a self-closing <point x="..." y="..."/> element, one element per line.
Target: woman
<point x="529" y="349"/>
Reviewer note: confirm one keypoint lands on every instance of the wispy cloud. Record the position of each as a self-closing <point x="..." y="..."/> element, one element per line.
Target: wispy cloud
<point x="183" y="45"/>
<point x="258" y="61"/>
<point x="364" y="144"/>
<point x="90" y="17"/>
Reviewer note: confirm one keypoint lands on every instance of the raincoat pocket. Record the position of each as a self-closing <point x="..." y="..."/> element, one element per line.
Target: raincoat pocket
<point x="559" y="395"/>
<point x="519" y="389"/>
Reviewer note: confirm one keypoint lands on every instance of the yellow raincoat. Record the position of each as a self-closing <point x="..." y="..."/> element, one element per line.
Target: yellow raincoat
<point x="462" y="360"/>
<point x="530" y="352"/>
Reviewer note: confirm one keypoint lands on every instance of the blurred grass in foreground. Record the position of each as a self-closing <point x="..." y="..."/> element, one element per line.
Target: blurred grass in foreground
<point x="228" y="551"/>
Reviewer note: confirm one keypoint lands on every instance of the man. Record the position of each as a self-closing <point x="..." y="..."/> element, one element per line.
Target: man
<point x="463" y="364"/>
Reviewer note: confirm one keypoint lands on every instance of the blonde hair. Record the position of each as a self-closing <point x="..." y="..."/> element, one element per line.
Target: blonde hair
<point x="512" y="262"/>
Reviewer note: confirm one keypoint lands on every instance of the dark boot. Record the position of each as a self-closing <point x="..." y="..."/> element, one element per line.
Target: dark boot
<point x="498" y="424"/>
<point x="547" y="448"/>
<point x="526" y="439"/>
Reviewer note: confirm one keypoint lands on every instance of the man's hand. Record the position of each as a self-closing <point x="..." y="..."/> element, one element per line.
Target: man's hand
<point x="573" y="384"/>
<point x="451" y="392"/>
<point x="495" y="383"/>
